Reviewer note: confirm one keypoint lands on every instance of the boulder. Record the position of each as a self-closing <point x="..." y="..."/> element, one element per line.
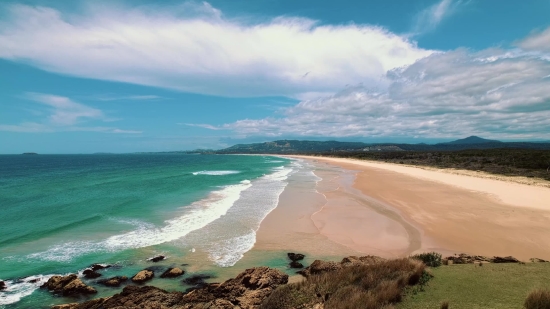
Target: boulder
<point x="463" y="258"/>
<point x="172" y="273"/>
<point x="77" y="287"/>
<point x="114" y="281"/>
<point x="142" y="276"/>
<point x="66" y="306"/>
<point x="295" y="256"/>
<point x="506" y="259"/>
<point x="296" y="264"/>
<point x="157" y="258"/>
<point x="96" y="267"/>
<point x="3" y="285"/>
<point x="319" y="266"/>
<point x="68" y="285"/>
<point x="91" y="274"/>
<point x="196" y="279"/>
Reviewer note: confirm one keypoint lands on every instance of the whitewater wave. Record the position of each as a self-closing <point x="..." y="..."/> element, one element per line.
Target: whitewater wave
<point x="197" y="215"/>
<point x="17" y="289"/>
<point x="236" y="233"/>
<point x="216" y="173"/>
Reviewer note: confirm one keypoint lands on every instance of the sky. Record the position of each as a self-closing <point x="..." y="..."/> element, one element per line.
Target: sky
<point x="132" y="76"/>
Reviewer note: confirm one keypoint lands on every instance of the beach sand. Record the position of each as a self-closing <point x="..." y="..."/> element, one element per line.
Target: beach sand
<point x="363" y="207"/>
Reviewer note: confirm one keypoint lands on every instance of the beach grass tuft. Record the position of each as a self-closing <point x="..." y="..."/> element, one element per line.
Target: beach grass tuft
<point x="538" y="299"/>
<point x="378" y="285"/>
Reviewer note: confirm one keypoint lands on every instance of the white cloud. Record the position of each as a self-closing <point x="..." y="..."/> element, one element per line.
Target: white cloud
<point x="201" y="125"/>
<point x="65" y="111"/>
<point x="538" y="41"/>
<point x="452" y="94"/>
<point x="429" y="18"/>
<point x="63" y="115"/>
<point x="194" y="48"/>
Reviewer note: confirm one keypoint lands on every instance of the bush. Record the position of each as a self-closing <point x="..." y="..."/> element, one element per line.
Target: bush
<point x="538" y="299"/>
<point x="372" y="286"/>
<point x="431" y="259"/>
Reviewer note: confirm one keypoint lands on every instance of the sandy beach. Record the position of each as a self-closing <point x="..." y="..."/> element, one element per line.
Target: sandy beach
<point x="362" y="207"/>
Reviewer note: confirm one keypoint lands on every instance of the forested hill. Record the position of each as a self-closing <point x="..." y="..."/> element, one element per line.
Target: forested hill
<point x="296" y="146"/>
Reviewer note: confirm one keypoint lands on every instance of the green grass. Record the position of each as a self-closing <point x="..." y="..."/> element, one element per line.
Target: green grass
<point x="488" y="286"/>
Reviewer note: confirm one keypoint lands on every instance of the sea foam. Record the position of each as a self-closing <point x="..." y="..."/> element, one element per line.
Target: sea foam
<point x="17" y="289"/>
<point x="215" y="173"/>
<point x="195" y="216"/>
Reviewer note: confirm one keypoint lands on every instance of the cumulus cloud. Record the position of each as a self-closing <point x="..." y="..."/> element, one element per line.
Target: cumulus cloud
<point x="195" y="48"/>
<point x="64" y="115"/>
<point x="459" y="93"/>
<point x="538" y="41"/>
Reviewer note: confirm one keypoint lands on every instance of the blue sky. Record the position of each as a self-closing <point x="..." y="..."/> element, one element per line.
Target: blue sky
<point x="121" y="76"/>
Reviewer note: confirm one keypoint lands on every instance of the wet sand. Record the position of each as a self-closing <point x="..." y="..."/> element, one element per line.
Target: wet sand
<point x="362" y="207"/>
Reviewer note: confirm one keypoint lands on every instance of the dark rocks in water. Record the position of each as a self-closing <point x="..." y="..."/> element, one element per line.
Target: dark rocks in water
<point x="114" y="281"/>
<point x="96" y="267"/>
<point x="506" y="259"/>
<point x="3" y="285"/>
<point x="68" y="285"/>
<point x="35" y="280"/>
<point x="246" y="291"/>
<point x="157" y="258"/>
<point x="296" y="264"/>
<point x="172" y="273"/>
<point x="196" y="279"/>
<point x="295" y="256"/>
<point x="91" y="274"/>
<point x="156" y="268"/>
<point x="142" y="276"/>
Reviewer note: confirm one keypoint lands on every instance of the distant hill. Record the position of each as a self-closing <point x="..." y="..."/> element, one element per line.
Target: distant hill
<point x="297" y="146"/>
<point x="472" y="140"/>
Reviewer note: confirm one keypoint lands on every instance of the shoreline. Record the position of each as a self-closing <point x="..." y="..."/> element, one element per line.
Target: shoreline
<point x="392" y="210"/>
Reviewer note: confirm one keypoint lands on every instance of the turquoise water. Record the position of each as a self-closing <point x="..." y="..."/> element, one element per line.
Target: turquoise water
<point x="61" y="213"/>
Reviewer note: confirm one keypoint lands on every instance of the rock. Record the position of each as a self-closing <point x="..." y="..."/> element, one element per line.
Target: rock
<point x="91" y="274"/>
<point x="157" y="258"/>
<point x="66" y="306"/>
<point x="537" y="260"/>
<point x="96" y="267"/>
<point x="295" y="256"/>
<point x="196" y="279"/>
<point x="68" y="285"/>
<point x="172" y="273"/>
<point x="296" y="264"/>
<point x="114" y="281"/>
<point x="3" y="285"/>
<point x="463" y="258"/>
<point x="143" y="276"/>
<point x="506" y="259"/>
<point x="319" y="266"/>
<point x="246" y="291"/>
<point x="76" y="287"/>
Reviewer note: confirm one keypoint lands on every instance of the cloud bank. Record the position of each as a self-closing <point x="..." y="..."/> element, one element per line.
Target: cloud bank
<point x="194" y="48"/>
<point x="494" y="93"/>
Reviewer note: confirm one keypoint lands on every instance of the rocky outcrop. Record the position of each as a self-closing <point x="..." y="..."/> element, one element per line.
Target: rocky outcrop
<point x="295" y="256"/>
<point x="142" y="276"/>
<point x="463" y="258"/>
<point x="157" y="258"/>
<point x="3" y="285"/>
<point x="68" y="285"/>
<point x="91" y="274"/>
<point x="246" y="291"/>
<point x="114" y="281"/>
<point x="319" y="266"/>
<point x="172" y="273"/>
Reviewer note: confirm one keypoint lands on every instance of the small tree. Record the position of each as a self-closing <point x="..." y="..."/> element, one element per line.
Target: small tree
<point x="431" y="259"/>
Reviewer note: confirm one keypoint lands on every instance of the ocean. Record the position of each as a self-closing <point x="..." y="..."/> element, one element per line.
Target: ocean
<point x="62" y="213"/>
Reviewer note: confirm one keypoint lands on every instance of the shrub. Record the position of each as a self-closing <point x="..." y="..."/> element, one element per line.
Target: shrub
<point x="445" y="305"/>
<point x="431" y="259"/>
<point x="376" y="286"/>
<point x="538" y="299"/>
